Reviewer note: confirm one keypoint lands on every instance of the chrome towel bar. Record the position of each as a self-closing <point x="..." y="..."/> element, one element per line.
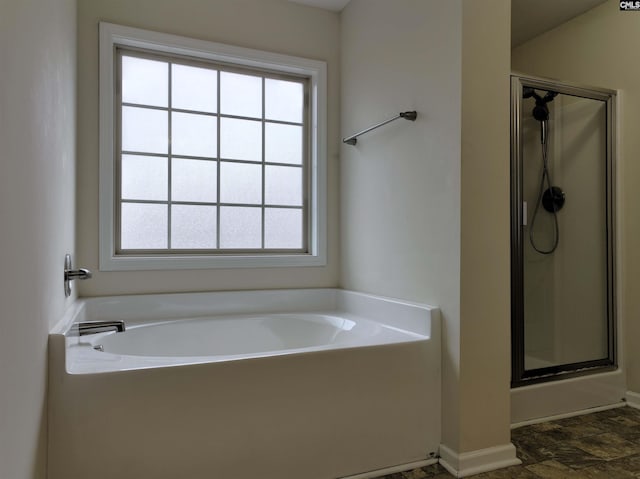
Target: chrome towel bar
<point x="407" y="115"/>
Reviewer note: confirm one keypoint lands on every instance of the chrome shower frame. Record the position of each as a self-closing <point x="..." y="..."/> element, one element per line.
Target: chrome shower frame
<point x="519" y="375"/>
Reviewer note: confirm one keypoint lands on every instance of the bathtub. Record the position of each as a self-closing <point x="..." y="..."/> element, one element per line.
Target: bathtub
<point x="299" y="384"/>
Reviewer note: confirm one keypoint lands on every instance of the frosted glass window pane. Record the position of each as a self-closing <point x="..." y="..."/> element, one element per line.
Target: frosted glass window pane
<point x="240" y="139"/>
<point x="143" y="226"/>
<point x="283" y="100"/>
<point x="240" y="228"/>
<point x="194" y="135"/>
<point x="193" y="227"/>
<point x="283" y="143"/>
<point x="282" y="228"/>
<point x="240" y="183"/>
<point x="144" y="130"/>
<point x="283" y="185"/>
<point x="240" y="95"/>
<point x="194" y="88"/>
<point x="194" y="180"/>
<point x="145" y="81"/>
<point x="144" y="178"/>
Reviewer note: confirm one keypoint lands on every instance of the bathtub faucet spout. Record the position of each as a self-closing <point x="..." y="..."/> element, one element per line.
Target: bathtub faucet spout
<point x="93" y="327"/>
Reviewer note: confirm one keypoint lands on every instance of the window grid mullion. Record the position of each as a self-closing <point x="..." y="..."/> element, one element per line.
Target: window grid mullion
<point x="207" y="113"/>
<point x="218" y="209"/>
<point x="169" y="155"/>
<point x="210" y="203"/>
<point x="262" y="227"/>
<point x="208" y="158"/>
<point x="174" y="156"/>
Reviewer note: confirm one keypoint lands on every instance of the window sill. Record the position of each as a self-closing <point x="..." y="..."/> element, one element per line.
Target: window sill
<point x="147" y="263"/>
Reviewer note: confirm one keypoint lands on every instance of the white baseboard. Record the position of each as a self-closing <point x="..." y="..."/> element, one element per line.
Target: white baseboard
<point x="476" y="462"/>
<point x="391" y="470"/>
<point x="633" y="399"/>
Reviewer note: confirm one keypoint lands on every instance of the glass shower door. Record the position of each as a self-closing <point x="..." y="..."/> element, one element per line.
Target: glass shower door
<point x="562" y="230"/>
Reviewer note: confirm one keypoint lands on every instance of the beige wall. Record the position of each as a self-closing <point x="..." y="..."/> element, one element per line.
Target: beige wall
<point x="596" y="49"/>
<point x="400" y="185"/>
<point x="271" y="25"/>
<point x="485" y="315"/>
<point x="403" y="187"/>
<point x="37" y="170"/>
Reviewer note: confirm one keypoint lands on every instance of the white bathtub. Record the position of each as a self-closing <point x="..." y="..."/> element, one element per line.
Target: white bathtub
<point x="304" y="384"/>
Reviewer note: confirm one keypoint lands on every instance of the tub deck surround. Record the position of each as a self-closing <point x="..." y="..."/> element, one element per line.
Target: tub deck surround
<point x="330" y="382"/>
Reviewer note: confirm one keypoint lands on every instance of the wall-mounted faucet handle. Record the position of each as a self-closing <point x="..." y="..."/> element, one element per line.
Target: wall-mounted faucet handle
<point x="81" y="273"/>
<point x="71" y="274"/>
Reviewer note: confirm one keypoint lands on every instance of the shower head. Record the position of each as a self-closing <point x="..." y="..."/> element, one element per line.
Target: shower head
<point x="528" y="92"/>
<point x="541" y="110"/>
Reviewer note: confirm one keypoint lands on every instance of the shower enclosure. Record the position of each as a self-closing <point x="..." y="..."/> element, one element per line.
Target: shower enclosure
<point x="562" y="230"/>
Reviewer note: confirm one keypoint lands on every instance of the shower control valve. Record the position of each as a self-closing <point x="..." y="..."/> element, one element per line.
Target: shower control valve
<point x="553" y="199"/>
<point x="71" y="274"/>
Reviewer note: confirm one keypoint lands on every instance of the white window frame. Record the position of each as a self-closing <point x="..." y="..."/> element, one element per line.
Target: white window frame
<point x="113" y="36"/>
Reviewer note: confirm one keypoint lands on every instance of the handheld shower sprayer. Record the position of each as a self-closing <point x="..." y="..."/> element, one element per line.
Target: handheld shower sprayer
<point x="544" y="130"/>
<point x="552" y="199"/>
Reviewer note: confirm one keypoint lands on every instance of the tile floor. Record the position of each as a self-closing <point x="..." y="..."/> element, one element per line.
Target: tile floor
<point x="601" y="445"/>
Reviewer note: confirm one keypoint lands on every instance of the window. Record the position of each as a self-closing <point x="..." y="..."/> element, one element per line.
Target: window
<point x="210" y="158"/>
<point x="211" y="155"/>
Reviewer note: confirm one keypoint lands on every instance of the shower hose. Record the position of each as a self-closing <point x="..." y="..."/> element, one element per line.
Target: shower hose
<point x="545" y="177"/>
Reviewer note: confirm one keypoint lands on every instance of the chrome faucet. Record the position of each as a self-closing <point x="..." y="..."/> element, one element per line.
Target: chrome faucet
<point x="92" y="327"/>
<point x="81" y="273"/>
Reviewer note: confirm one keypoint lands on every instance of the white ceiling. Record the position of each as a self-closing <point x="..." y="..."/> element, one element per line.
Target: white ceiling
<point x="529" y="18"/>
